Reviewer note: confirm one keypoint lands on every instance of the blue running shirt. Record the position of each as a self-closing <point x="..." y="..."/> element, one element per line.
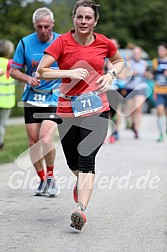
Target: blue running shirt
<point x="28" y="54"/>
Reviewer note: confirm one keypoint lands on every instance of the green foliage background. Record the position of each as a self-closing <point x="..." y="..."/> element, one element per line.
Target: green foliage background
<point x="143" y="23"/>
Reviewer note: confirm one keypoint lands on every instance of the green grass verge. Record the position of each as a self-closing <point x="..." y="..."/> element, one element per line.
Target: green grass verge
<point x="17" y="111"/>
<point x="15" y="143"/>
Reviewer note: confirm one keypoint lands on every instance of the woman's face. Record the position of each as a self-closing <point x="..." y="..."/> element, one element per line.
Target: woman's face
<point x="84" y="20"/>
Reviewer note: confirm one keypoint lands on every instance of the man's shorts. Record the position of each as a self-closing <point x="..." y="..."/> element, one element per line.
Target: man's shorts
<point x="33" y="114"/>
<point x="131" y="93"/>
<point x="161" y="100"/>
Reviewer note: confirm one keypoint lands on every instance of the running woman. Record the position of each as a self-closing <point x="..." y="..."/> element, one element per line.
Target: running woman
<point x="83" y="103"/>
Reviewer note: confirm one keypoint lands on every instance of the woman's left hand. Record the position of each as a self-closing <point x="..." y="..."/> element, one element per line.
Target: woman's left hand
<point x="104" y="82"/>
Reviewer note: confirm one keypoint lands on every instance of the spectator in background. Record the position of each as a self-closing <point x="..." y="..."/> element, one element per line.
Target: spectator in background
<point x="115" y="101"/>
<point x="7" y="86"/>
<point x="136" y="89"/>
<point x="39" y="97"/>
<point x="111" y="96"/>
<point x="160" y="76"/>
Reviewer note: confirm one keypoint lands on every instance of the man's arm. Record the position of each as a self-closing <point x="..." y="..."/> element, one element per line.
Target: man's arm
<point x="22" y="77"/>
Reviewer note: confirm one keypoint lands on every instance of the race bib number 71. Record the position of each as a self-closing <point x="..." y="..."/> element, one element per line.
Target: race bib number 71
<point x="86" y="103"/>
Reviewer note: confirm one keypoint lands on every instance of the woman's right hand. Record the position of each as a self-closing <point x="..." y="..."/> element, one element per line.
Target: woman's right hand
<point x="78" y="73"/>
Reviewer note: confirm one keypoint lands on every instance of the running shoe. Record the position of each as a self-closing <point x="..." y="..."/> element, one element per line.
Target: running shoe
<point x="40" y="191"/>
<point x="75" y="193"/>
<point x="116" y="135"/>
<point x="112" y="139"/>
<point x="161" y="138"/>
<point x="78" y="219"/>
<point x="136" y="134"/>
<point x="135" y="131"/>
<point x="51" y="187"/>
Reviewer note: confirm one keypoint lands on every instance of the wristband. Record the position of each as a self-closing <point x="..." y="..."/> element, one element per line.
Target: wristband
<point x="113" y="73"/>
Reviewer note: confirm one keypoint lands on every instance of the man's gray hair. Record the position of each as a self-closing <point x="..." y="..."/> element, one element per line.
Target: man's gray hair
<point x="42" y="12"/>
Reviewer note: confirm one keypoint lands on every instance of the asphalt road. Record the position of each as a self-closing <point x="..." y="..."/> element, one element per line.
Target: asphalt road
<point x="127" y="211"/>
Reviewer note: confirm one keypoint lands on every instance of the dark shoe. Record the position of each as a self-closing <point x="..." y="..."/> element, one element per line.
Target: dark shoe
<point x="116" y="135"/>
<point x="135" y="131"/>
<point x="40" y="191"/>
